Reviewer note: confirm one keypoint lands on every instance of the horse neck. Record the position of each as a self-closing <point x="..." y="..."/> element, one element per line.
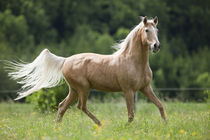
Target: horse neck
<point x="137" y="52"/>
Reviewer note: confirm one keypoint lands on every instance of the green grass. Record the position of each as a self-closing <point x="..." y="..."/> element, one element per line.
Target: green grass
<point x="185" y="121"/>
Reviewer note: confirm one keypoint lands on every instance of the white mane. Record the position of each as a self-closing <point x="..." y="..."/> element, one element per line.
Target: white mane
<point x="120" y="47"/>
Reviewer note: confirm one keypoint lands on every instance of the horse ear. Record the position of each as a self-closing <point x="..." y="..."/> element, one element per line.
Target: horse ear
<point x="141" y="18"/>
<point x="156" y="20"/>
<point x="145" y="20"/>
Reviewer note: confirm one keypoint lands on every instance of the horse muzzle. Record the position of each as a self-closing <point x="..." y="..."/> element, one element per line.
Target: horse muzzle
<point x="155" y="47"/>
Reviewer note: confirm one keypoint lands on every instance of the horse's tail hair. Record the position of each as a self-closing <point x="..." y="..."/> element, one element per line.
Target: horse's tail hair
<point x="43" y="72"/>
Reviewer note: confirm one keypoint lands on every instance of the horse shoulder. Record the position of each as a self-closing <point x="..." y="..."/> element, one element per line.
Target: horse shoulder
<point x="148" y="75"/>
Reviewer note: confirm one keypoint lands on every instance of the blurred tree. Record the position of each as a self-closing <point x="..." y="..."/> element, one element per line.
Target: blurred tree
<point x="189" y="20"/>
<point x="14" y="32"/>
<point x="69" y="27"/>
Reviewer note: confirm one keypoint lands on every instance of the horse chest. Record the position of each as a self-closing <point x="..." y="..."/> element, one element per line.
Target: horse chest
<point x="146" y="77"/>
<point x="139" y="78"/>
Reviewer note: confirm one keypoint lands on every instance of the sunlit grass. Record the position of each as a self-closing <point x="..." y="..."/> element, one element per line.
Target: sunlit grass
<point x="185" y="121"/>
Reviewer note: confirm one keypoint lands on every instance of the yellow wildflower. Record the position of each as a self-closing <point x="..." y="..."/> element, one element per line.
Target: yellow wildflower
<point x="122" y="138"/>
<point x="33" y="113"/>
<point x="181" y="130"/>
<point x="95" y="126"/>
<point x="194" y="133"/>
<point x="60" y="136"/>
<point x="109" y="139"/>
<point x="99" y="129"/>
<point x="42" y="137"/>
<point x="103" y="122"/>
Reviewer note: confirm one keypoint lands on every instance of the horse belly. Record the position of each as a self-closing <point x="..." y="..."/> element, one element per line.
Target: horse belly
<point x="109" y="87"/>
<point x="103" y="77"/>
<point x="106" y="82"/>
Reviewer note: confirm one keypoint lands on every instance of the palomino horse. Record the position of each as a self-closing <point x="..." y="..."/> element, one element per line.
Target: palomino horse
<point x="126" y="70"/>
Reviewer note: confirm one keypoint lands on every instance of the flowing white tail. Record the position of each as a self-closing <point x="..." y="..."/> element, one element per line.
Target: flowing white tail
<point x="43" y="72"/>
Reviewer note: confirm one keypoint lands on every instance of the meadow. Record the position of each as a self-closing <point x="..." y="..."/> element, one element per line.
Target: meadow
<point x="185" y="121"/>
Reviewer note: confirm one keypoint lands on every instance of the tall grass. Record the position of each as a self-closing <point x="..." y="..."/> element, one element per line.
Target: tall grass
<point x="185" y="121"/>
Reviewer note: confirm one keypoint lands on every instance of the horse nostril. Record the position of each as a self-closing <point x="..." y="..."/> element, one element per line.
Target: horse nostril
<point x="155" y="45"/>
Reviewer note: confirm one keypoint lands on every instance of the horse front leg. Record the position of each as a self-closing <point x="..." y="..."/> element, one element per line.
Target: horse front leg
<point x="129" y="97"/>
<point x="148" y="92"/>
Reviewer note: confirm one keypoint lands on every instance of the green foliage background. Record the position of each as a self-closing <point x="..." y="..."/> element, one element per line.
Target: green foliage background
<point x="68" y="27"/>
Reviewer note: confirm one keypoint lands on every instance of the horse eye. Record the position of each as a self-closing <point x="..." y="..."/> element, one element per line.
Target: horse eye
<point x="146" y="30"/>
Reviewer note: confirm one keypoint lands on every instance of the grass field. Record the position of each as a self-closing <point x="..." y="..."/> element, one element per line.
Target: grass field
<point x="185" y="121"/>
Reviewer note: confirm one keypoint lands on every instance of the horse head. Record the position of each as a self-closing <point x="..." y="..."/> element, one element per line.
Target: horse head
<point x="149" y="34"/>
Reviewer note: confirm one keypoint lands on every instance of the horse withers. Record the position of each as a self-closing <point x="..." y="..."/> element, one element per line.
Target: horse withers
<point x="125" y="70"/>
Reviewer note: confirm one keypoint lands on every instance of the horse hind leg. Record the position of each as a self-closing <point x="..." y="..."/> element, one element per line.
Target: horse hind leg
<point x="83" y="96"/>
<point x="68" y="101"/>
